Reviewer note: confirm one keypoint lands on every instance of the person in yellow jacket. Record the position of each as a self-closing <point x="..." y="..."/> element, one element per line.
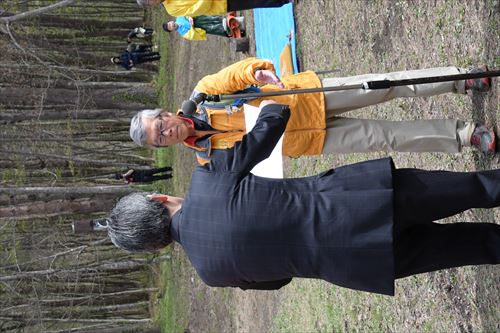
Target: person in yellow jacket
<point x="316" y="125"/>
<point x="197" y="28"/>
<point x="210" y="7"/>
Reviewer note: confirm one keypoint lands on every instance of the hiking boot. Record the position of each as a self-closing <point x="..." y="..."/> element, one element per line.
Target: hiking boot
<point x="241" y="21"/>
<point x="484" y="139"/>
<point x="480" y="84"/>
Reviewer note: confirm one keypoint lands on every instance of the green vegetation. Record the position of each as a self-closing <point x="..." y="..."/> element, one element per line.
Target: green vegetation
<point x="173" y="308"/>
<point x="135" y="98"/>
<point x="165" y="79"/>
<point x="164" y="157"/>
<point x="313" y="305"/>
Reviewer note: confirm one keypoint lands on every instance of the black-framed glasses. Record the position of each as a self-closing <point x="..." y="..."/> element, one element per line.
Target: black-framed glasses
<point x="160" y="129"/>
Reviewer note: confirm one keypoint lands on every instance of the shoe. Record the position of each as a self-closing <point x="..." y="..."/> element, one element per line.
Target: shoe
<point x="480" y="84"/>
<point x="241" y="21"/>
<point x="484" y="139"/>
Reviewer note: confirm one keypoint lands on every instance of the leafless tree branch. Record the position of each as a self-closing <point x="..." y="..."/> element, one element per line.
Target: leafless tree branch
<point x="35" y="12"/>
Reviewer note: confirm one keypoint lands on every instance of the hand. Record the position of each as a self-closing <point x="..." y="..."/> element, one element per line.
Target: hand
<point x="189" y="107"/>
<point x="162" y="198"/>
<point x="190" y="19"/>
<point x="266" y="102"/>
<point x="198" y="97"/>
<point x="267" y="76"/>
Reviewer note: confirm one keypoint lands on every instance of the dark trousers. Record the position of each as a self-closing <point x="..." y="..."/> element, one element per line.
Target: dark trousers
<point x="233" y="5"/>
<point x="211" y="24"/>
<point x="139" y="48"/>
<point x="147" y="57"/>
<point x="157" y="170"/>
<point x="421" y="197"/>
<point x="148" y="179"/>
<point x="150" y="175"/>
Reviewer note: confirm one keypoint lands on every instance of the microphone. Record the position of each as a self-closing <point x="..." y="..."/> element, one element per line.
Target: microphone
<point x="189" y="107"/>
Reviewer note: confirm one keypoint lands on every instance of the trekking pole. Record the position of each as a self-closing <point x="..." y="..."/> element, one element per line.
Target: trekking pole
<point x="327" y="71"/>
<point x="378" y="84"/>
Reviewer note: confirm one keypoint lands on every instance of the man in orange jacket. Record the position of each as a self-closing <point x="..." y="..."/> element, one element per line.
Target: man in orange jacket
<point x="316" y="125"/>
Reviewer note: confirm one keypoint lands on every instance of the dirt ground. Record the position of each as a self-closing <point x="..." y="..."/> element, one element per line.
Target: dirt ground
<point x="360" y="37"/>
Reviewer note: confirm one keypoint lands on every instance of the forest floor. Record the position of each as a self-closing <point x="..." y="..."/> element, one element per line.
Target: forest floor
<point x="356" y="37"/>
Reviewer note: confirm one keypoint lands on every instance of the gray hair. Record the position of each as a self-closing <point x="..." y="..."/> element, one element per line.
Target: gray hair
<point x="137" y="129"/>
<point x="143" y="3"/>
<point x="139" y="224"/>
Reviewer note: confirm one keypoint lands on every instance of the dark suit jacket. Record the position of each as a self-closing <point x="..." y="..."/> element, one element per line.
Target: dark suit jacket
<point x="245" y="231"/>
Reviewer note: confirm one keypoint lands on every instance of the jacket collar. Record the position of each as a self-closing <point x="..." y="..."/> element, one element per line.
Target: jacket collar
<point x="199" y="122"/>
<point x="175" y="226"/>
<point x="200" y="119"/>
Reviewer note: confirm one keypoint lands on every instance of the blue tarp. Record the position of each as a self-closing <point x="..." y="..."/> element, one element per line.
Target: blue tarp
<point x="272" y="26"/>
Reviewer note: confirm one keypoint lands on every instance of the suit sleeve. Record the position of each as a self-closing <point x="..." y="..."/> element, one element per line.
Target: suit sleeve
<point x="258" y="144"/>
<point x="267" y="285"/>
<point x="237" y="76"/>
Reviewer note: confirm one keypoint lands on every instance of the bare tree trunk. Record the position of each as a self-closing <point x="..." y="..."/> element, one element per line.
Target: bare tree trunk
<point x="123" y="266"/>
<point x="112" y="297"/>
<point x="143" y="328"/>
<point x="75" y="160"/>
<point x="56" y="207"/>
<point x="80" y="320"/>
<point x="81" y="190"/>
<point x="7" y="117"/>
<point x="8" y="19"/>
<point x="104" y="85"/>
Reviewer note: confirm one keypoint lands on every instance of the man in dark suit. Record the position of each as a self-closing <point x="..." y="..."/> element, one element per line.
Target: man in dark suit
<point x="360" y="226"/>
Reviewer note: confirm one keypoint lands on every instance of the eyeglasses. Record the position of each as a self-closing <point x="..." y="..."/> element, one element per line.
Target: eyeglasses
<point x="160" y="138"/>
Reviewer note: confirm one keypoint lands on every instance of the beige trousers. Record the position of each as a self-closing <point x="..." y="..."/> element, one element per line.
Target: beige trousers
<point x="347" y="135"/>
